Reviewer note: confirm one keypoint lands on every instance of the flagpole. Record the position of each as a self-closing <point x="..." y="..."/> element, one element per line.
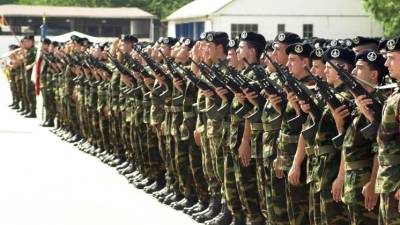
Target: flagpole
<point x="11" y="30"/>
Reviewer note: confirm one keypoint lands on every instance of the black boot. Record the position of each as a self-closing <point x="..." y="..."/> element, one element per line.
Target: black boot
<point x="214" y="209"/>
<point x="30" y="115"/>
<point x="223" y="218"/>
<point x="238" y="220"/>
<point x="199" y="207"/>
<point x="185" y="202"/>
<point x="156" y="186"/>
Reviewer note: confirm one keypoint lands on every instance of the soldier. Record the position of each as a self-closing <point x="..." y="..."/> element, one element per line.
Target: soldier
<point x="328" y="169"/>
<point x="12" y="73"/>
<point x="29" y="85"/>
<point x="388" y="173"/>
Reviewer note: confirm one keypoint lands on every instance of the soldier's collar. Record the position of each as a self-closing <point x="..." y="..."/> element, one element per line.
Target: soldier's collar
<point x="340" y="88"/>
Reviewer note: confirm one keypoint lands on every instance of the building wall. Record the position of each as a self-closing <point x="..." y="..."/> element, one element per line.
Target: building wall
<point x="344" y="18"/>
<point x="323" y="26"/>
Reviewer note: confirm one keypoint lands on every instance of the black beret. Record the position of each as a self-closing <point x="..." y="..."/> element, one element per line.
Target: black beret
<point x="29" y="37"/>
<point x="287" y="38"/>
<point x="169" y="41"/>
<point x="300" y="49"/>
<point x="217" y="38"/>
<point x="55" y="43"/>
<point x="348" y="43"/>
<point x="340" y="53"/>
<point x="317" y="53"/>
<point x="75" y="38"/>
<point x="188" y="42"/>
<point x="318" y="42"/>
<point x="129" y="38"/>
<point x="258" y="40"/>
<point x="382" y="44"/>
<point x="84" y="42"/>
<point x="12" y="47"/>
<point x="393" y="45"/>
<point x="46" y="41"/>
<point x="375" y="59"/>
<point x="357" y="41"/>
<point x="233" y="43"/>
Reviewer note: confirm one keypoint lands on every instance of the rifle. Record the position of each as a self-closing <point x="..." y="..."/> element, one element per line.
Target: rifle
<point x="329" y="97"/>
<point x="212" y="111"/>
<point x="290" y="84"/>
<point x="270" y="87"/>
<point x="357" y="89"/>
<point x="158" y="71"/>
<point x="121" y="68"/>
<point x="172" y="69"/>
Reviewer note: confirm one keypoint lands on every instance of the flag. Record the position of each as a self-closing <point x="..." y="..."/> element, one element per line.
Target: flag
<point x="39" y="59"/>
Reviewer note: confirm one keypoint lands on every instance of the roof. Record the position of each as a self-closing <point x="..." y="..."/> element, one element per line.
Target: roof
<point x="198" y="8"/>
<point x="80" y="12"/>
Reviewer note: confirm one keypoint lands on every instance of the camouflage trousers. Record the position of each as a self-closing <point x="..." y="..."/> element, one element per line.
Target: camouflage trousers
<point x="156" y="164"/>
<point x="13" y="88"/>
<point x="21" y="85"/>
<point x="354" y="182"/>
<point x="208" y="167"/>
<point x="388" y="211"/>
<point x="327" y="169"/>
<point x="297" y="199"/>
<point x="104" y="129"/>
<point x="30" y="92"/>
<point x="314" y="209"/>
<point x="115" y="131"/>
<point x="140" y="141"/>
<point x="49" y="102"/>
<point x="184" y="169"/>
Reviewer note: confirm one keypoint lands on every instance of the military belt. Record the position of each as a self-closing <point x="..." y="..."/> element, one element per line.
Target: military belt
<point x="389" y="160"/>
<point x="268" y="127"/>
<point x="176" y="109"/>
<point x="167" y="108"/>
<point x="325" y="149"/>
<point x="288" y="139"/>
<point x="189" y="114"/>
<point x="367" y="163"/>
<point x="257" y="126"/>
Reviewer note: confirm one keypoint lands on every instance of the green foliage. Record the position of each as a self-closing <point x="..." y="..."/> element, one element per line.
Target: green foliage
<point x="161" y="8"/>
<point x="387" y="12"/>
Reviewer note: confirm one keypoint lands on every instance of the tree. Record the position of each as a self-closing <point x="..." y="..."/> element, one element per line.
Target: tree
<point x="387" y="12"/>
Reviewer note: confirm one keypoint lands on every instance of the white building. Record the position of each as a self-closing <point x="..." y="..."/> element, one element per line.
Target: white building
<point x="319" y="18"/>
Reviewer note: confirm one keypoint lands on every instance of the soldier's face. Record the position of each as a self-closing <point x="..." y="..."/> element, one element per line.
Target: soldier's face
<point x="318" y="68"/>
<point x="296" y="64"/>
<point x="211" y="51"/>
<point x="393" y="64"/>
<point x="232" y="57"/>
<point x="243" y="50"/>
<point x="331" y="74"/>
<point x="279" y="53"/>
<point x="183" y="54"/>
<point x="363" y="72"/>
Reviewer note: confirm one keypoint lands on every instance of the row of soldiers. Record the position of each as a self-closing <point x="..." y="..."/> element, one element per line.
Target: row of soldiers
<point x="243" y="131"/>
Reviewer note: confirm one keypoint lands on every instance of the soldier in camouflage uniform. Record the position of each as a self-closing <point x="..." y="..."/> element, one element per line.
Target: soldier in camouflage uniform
<point x="11" y="71"/>
<point x="29" y="85"/>
<point x="327" y="169"/>
<point x="387" y="183"/>
<point x="360" y="151"/>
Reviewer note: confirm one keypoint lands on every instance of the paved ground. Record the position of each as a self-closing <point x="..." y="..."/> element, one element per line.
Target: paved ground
<point x="45" y="181"/>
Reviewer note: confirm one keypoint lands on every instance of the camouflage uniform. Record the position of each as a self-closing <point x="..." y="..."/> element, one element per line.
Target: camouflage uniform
<point x="388" y="179"/>
<point x="274" y="188"/>
<point x="327" y="163"/>
<point x="29" y="85"/>
<point x="296" y="196"/>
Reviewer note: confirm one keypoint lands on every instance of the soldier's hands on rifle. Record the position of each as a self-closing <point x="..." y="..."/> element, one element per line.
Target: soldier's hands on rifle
<point x="148" y="82"/>
<point x="362" y="103"/>
<point x="178" y="84"/>
<point x="208" y="94"/>
<point x="222" y="92"/>
<point x="251" y="96"/>
<point x="339" y="114"/>
<point x="275" y="100"/>
<point x="292" y="99"/>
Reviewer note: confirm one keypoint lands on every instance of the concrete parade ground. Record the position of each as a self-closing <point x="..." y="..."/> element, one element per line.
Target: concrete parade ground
<point x="46" y="181"/>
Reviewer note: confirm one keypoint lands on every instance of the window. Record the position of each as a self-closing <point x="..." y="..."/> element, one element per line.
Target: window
<point x="281" y="28"/>
<point x="308" y="30"/>
<point x="237" y="29"/>
<point x="192" y="30"/>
